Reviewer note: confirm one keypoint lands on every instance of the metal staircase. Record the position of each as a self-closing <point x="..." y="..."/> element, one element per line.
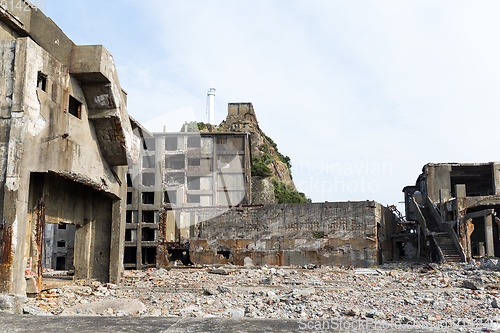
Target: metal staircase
<point x="443" y="235"/>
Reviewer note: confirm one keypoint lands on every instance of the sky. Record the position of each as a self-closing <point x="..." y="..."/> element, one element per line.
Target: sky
<point x="359" y="94"/>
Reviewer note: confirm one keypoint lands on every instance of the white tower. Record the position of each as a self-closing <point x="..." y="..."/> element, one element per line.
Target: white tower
<point x="210" y="105"/>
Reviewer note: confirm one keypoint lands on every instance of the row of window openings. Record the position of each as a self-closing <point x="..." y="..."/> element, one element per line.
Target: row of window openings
<point x="148" y="235"/>
<point x="176" y="163"/>
<point x="148" y="255"/>
<point x="74" y="108"/>
<point x="148" y="198"/>
<point x="148" y="179"/>
<point x="170" y="197"/>
<point x="171" y="143"/>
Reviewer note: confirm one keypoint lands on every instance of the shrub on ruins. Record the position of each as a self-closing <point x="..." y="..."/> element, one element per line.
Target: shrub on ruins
<point x="287" y="194"/>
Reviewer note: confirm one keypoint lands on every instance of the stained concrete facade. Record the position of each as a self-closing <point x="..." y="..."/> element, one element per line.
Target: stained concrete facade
<point x="456" y="207"/>
<point x="177" y="172"/>
<point x="65" y="143"/>
<point x="338" y="233"/>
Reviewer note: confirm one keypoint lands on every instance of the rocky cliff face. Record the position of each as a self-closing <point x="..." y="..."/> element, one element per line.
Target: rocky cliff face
<point x="271" y="175"/>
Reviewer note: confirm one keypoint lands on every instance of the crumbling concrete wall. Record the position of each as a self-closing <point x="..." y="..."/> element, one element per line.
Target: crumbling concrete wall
<point x="55" y="166"/>
<point x="340" y="233"/>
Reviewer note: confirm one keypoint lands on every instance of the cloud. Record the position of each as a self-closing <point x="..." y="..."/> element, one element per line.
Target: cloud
<point x="332" y="82"/>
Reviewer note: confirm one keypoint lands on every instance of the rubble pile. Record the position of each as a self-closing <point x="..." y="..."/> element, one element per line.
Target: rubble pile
<point x="461" y="294"/>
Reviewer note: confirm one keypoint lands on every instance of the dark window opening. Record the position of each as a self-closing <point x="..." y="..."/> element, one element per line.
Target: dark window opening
<point x="478" y="179"/>
<point x="194" y="141"/>
<point x="61" y="226"/>
<point x="129" y="180"/>
<point x="148" y="234"/>
<point x="170" y="197"/>
<point x="171" y="143"/>
<point x="148" y="255"/>
<point x="148" y="216"/>
<point x="149" y="144"/>
<point x="61" y="263"/>
<point x="131" y="216"/>
<point x="175" y="162"/>
<point x="129" y="198"/>
<point x="401" y="249"/>
<point x="148" y="198"/>
<point x="61" y="244"/>
<point x="148" y="161"/>
<point x="130" y="255"/>
<point x="179" y="254"/>
<point x="75" y="107"/>
<point x="42" y="81"/>
<point x="194" y="162"/>
<point x="193" y="198"/>
<point x="148" y="179"/>
<point x="224" y="253"/>
<point x="193" y="183"/>
<point x="128" y="235"/>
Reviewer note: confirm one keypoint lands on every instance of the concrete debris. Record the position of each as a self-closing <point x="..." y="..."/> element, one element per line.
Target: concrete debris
<point x="106" y="307"/>
<point x="12" y="304"/>
<point x="442" y="296"/>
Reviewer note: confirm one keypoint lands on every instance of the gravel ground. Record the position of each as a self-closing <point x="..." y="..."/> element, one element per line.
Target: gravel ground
<point x="463" y="297"/>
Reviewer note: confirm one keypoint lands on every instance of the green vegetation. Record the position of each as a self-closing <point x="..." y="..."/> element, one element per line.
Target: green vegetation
<point x="201" y="126"/>
<point x="287" y="194"/>
<point x="283" y="158"/>
<point x="260" y="168"/>
<point x="190" y="127"/>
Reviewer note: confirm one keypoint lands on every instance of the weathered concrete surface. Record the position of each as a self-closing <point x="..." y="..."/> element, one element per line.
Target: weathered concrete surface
<point x="27" y="323"/>
<point x="58" y="155"/>
<point x="341" y="233"/>
<point x="124" y="306"/>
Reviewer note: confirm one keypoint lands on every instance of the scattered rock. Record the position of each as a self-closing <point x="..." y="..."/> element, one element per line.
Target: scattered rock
<point x="35" y="311"/>
<point x="126" y="306"/>
<point x="248" y="262"/>
<point x="224" y="289"/>
<point x="12" y="303"/>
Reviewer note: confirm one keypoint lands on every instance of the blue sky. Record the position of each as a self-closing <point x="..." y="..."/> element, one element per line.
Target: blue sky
<point x="360" y="94"/>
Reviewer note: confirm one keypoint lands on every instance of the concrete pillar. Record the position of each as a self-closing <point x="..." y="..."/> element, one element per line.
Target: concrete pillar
<point x="117" y="245"/>
<point x="83" y="240"/>
<point x="488" y="234"/>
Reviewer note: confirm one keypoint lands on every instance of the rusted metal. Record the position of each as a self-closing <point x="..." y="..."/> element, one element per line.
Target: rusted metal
<point x="161" y="250"/>
<point x="6" y="256"/>
<point x="39" y="238"/>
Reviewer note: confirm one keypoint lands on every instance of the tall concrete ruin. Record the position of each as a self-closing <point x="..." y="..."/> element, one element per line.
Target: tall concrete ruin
<point x="66" y="141"/>
<point x="175" y="173"/>
<point x="456" y="207"/>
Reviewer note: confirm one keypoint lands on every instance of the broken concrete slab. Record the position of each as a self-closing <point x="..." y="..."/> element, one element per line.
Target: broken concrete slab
<point x="119" y="306"/>
<point x="12" y="304"/>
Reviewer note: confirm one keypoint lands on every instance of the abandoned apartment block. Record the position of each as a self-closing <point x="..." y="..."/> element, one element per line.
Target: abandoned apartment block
<point x="65" y="145"/>
<point x="177" y="172"/>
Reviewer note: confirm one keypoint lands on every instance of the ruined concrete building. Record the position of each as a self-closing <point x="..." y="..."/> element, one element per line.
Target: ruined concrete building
<point x="177" y="172"/>
<point x="190" y="198"/>
<point x="65" y="145"/>
<point x="87" y="188"/>
<point x="455" y="206"/>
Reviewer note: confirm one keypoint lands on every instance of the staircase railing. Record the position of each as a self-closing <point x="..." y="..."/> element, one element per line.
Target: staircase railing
<point x="420" y="216"/>
<point x="435" y="214"/>
<point x="454" y="238"/>
<point x="441" y="255"/>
